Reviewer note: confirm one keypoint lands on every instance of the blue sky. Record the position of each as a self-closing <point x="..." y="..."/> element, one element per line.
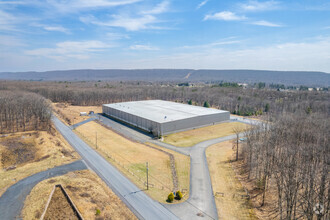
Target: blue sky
<point x="39" y="35"/>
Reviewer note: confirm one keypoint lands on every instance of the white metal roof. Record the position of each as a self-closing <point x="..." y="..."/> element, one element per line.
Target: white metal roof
<point x="163" y="111"/>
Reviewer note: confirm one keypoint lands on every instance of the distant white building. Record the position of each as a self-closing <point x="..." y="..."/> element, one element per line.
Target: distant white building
<point x="244" y="85"/>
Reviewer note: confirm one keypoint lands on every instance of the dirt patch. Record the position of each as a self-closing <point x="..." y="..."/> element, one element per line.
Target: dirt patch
<point x="42" y="158"/>
<point x="51" y="181"/>
<point x="60" y="207"/>
<point x="85" y="195"/>
<point x="18" y="151"/>
<point x="72" y="188"/>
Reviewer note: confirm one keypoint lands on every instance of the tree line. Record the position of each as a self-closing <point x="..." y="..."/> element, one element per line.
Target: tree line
<point x="23" y="111"/>
<point x="291" y="156"/>
<point x="237" y="100"/>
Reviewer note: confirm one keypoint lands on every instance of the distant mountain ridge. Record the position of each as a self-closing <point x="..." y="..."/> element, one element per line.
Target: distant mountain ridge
<point x="308" y="78"/>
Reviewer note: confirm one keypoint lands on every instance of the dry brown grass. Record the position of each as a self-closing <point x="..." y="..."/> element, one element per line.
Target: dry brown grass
<point x="224" y="180"/>
<point x="25" y="153"/>
<point x="131" y="155"/>
<point x="269" y="210"/>
<point x="70" y="114"/>
<point x="182" y="165"/>
<point x="87" y="191"/>
<point x="194" y="136"/>
<point x="60" y="207"/>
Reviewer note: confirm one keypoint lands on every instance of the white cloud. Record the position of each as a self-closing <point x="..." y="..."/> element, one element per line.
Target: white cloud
<point x="125" y="21"/>
<point x="227" y="41"/>
<point x="73" y="49"/>
<point x="10" y="41"/>
<point x="308" y="56"/>
<point x="7" y="21"/>
<point x="12" y="21"/>
<point x="142" y="20"/>
<point x="158" y="9"/>
<point x="72" y="5"/>
<point x="116" y="36"/>
<point x="259" y="6"/>
<point x="266" y="23"/>
<point x="201" y="4"/>
<point x="12" y="3"/>
<point x="132" y="24"/>
<point x="103" y="3"/>
<point x="224" y="15"/>
<point x="143" y="47"/>
<point x="57" y="28"/>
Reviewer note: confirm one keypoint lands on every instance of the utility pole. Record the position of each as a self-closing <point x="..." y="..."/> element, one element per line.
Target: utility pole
<point x="96" y="138"/>
<point x="147" y="175"/>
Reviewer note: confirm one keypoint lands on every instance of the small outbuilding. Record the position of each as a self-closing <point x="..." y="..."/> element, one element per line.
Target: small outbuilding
<point x="83" y="113"/>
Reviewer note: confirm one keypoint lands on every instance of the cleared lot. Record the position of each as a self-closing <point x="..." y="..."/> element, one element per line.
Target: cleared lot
<point x="192" y="137"/>
<point x="87" y="191"/>
<point x="25" y="153"/>
<point x="70" y="114"/>
<point x="228" y="190"/>
<point x="130" y="158"/>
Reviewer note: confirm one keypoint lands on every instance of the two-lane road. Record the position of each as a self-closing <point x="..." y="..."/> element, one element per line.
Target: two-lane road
<point x="143" y="206"/>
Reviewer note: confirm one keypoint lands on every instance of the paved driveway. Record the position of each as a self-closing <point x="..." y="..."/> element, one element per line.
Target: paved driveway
<point x="142" y="205"/>
<point x="12" y="201"/>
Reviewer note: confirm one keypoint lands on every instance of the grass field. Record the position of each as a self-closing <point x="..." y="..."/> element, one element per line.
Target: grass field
<point x="25" y="153"/>
<point x="229" y="205"/>
<point x="194" y="136"/>
<point x="87" y="191"/>
<point x="130" y="158"/>
<point x="182" y="164"/>
<point x="70" y="114"/>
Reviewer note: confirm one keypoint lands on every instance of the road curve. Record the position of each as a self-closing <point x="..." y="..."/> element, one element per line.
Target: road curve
<point x="142" y="205"/>
<point x="201" y="199"/>
<point x="12" y="201"/>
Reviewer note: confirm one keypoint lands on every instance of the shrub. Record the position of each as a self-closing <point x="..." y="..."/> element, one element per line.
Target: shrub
<point x="97" y="212"/>
<point x="178" y="195"/>
<point x="206" y="105"/>
<point x="170" y="197"/>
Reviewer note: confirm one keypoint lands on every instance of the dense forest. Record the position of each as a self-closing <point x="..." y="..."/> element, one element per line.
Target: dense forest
<point x="23" y="111"/>
<point x="291" y="156"/>
<point x="237" y="100"/>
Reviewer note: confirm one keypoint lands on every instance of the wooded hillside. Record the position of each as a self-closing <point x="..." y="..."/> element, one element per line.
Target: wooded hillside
<point x="307" y="78"/>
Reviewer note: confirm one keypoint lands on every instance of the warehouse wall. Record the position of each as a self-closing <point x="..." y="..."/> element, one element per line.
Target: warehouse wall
<point x="190" y="123"/>
<point x="166" y="127"/>
<point x="134" y="120"/>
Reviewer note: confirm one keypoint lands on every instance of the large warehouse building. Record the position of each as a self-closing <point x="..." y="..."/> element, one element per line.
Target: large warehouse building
<point x="163" y="117"/>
